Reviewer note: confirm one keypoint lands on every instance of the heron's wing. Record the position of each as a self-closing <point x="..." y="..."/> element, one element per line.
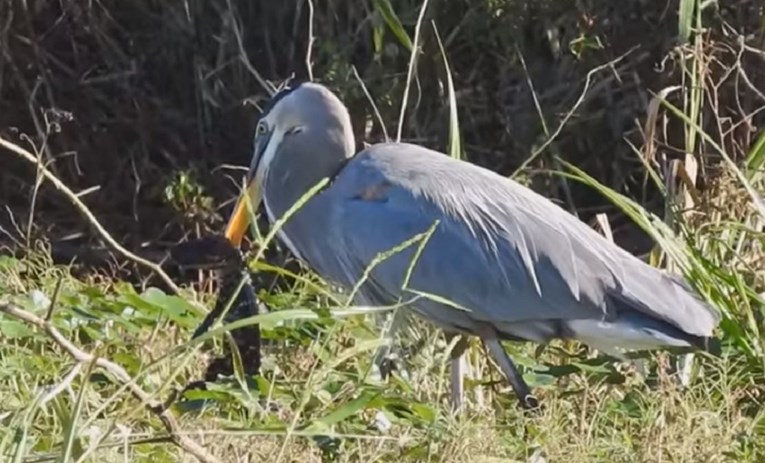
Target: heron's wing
<point x="498" y="249"/>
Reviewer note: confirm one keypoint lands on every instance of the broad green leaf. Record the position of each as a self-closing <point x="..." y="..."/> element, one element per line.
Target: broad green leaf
<point x="339" y="414"/>
<point x="12" y="329"/>
<point x="154" y="301"/>
<point x="426" y="412"/>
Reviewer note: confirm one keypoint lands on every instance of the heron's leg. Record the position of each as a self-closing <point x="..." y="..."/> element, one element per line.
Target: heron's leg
<point x="458" y="366"/>
<point x="509" y="369"/>
<point x="641" y="366"/>
<point x="684" y="365"/>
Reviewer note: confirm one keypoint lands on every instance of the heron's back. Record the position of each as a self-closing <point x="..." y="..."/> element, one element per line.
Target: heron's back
<point x="508" y="256"/>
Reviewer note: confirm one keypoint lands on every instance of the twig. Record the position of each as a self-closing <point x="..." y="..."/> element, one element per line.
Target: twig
<point x="171" y="425"/>
<point x="72" y="196"/>
<point x="54" y="299"/>
<point x="546" y="130"/>
<point x="309" y="50"/>
<point x="65" y="383"/>
<point x="371" y="102"/>
<point x="570" y="113"/>
<point x="243" y="54"/>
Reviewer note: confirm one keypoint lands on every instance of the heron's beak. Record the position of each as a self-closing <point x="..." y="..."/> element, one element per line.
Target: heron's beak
<point x="250" y="198"/>
<point x="245" y="207"/>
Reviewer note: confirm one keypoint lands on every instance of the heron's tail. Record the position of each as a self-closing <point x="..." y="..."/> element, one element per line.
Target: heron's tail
<point x="633" y="331"/>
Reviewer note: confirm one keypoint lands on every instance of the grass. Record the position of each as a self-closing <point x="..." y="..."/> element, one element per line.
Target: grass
<point x="315" y="399"/>
<point x="587" y="417"/>
<point x="594" y="410"/>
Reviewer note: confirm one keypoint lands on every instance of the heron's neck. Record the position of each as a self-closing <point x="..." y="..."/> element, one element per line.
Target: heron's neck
<point x="300" y="167"/>
<point x="292" y="174"/>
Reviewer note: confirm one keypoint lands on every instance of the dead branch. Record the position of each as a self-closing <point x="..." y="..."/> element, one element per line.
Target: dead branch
<point x="75" y="200"/>
<point x="157" y="408"/>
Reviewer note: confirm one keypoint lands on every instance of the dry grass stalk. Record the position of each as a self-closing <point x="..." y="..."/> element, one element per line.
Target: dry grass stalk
<point x="168" y="420"/>
<point x="83" y="209"/>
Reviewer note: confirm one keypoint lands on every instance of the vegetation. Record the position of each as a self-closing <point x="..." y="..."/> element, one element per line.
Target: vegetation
<point x="644" y="118"/>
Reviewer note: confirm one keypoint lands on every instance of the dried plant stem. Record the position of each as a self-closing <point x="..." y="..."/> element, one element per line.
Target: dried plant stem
<point x="82" y="357"/>
<point x="75" y="200"/>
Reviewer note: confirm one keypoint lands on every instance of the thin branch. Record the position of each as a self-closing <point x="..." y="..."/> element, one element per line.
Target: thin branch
<point x="171" y="425"/>
<point x="65" y="383"/>
<point x="371" y="102"/>
<point x="309" y="50"/>
<point x="546" y="130"/>
<point x="72" y="196"/>
<point x="570" y="113"/>
<point x="243" y="54"/>
<point x="54" y="299"/>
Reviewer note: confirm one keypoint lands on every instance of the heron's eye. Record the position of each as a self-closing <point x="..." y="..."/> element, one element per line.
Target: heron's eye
<point x="261" y="129"/>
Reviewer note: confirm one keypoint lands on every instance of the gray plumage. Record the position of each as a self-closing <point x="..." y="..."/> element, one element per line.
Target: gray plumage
<point x="520" y="266"/>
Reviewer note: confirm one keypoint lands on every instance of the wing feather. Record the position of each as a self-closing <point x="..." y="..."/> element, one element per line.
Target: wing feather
<point x="500" y="250"/>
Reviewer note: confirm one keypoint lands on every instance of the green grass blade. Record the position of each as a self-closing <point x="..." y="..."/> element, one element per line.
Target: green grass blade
<point x="238" y="365"/>
<point x="339" y="414"/>
<point x="385" y="9"/>
<point x="756" y="156"/>
<point x="72" y="443"/>
<point x="455" y="144"/>
<point x="685" y="20"/>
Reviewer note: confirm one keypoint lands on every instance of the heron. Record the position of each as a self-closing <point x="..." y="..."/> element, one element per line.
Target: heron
<point x="500" y="262"/>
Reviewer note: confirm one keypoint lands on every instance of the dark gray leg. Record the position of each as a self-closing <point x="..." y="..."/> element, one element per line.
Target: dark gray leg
<point x="522" y="390"/>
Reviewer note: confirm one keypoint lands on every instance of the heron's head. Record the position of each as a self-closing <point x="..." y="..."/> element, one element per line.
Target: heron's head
<point x="306" y="131"/>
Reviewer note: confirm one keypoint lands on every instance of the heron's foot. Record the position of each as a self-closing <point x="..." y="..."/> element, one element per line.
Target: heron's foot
<point x="384" y="365"/>
<point x="514" y="377"/>
<point x="530" y="403"/>
<point x="387" y="366"/>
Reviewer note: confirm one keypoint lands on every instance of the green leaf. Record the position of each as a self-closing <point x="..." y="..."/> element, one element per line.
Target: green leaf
<point x="72" y="447"/>
<point x="267" y="321"/>
<point x="236" y="360"/>
<point x="360" y="347"/>
<point x="12" y="329"/>
<point x="539" y="379"/>
<point x="339" y="414"/>
<point x="756" y="156"/>
<point x="175" y="308"/>
<point x="685" y="20"/>
<point x="129" y="362"/>
<point x="386" y="11"/>
<point x="426" y="412"/>
<point x="378" y="32"/>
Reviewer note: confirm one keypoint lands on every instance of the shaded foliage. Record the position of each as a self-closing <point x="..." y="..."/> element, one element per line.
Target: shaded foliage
<point x="132" y="96"/>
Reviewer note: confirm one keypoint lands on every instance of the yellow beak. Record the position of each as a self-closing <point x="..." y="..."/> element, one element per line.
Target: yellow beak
<point x="243" y="212"/>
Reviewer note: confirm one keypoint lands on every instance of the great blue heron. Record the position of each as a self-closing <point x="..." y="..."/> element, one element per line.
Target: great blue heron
<point x="501" y="262"/>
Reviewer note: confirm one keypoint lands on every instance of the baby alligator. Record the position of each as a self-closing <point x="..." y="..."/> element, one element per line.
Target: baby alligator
<point x="215" y="252"/>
